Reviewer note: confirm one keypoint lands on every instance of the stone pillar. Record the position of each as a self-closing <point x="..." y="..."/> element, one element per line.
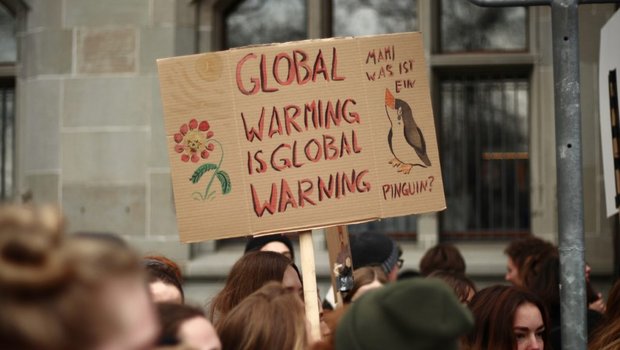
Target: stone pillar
<point x="91" y="134"/>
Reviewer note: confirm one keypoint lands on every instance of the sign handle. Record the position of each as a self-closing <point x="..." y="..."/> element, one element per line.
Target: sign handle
<point x="311" y="295"/>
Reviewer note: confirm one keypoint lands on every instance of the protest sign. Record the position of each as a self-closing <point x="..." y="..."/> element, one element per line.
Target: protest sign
<point x="300" y="135"/>
<point x="609" y="74"/>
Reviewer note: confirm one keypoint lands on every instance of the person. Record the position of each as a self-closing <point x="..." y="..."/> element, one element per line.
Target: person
<point x="526" y="250"/>
<point x="165" y="279"/>
<point x="443" y="256"/>
<point x="531" y="251"/>
<point x="376" y="249"/>
<point x="463" y="287"/>
<point x="64" y="292"/>
<point x="278" y="243"/>
<point x="272" y="317"/>
<point x="543" y="279"/>
<point x="366" y="278"/>
<point x="248" y="274"/>
<point x="507" y="318"/>
<point x="185" y="324"/>
<point x="415" y="313"/>
<point x="607" y="335"/>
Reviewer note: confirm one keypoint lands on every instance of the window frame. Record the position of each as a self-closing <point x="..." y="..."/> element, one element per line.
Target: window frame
<point x="489" y="63"/>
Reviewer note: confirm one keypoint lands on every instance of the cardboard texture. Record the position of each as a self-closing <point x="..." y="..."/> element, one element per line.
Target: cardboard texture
<point x="300" y="135"/>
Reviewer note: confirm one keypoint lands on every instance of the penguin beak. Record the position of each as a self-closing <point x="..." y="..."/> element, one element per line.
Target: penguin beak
<point x="389" y="99"/>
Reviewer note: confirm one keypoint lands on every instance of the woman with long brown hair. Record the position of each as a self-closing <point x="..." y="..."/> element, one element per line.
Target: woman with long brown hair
<point x="507" y="318"/>
<point x="248" y="274"/>
<point x="271" y="318"/>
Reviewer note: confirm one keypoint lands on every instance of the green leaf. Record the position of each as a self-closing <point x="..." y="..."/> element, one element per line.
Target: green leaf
<point x="224" y="181"/>
<point x="201" y="171"/>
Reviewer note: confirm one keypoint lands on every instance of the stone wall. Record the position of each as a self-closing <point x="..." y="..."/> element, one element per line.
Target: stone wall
<point x="91" y="133"/>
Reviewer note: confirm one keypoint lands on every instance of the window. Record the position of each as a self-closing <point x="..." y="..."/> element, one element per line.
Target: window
<point x="8" y="44"/>
<point x="8" y="56"/>
<point x="465" y="27"/>
<point x="371" y="17"/>
<point x="484" y="149"/>
<point x="261" y="22"/>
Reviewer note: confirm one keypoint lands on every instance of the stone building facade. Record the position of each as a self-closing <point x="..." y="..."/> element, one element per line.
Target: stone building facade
<point x="89" y="125"/>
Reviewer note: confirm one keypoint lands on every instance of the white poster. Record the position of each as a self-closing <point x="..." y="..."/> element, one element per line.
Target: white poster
<point x="609" y="75"/>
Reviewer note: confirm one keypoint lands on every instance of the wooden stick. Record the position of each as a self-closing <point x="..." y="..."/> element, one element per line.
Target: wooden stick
<point x="337" y="238"/>
<point x="311" y="296"/>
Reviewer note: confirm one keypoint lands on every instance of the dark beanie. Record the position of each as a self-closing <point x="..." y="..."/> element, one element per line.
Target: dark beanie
<point x="256" y="243"/>
<point x="418" y="314"/>
<point x="373" y="249"/>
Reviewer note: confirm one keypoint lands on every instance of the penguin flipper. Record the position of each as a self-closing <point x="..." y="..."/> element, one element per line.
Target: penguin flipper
<point x="390" y="141"/>
<point x="415" y="139"/>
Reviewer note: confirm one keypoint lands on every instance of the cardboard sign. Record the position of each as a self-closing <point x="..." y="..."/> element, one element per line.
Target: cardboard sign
<point x="300" y="135"/>
<point x="609" y="74"/>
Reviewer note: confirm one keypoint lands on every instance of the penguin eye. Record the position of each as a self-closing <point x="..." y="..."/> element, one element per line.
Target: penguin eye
<point x="400" y="112"/>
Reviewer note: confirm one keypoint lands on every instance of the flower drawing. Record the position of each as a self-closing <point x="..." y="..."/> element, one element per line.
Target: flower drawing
<point x="195" y="142"/>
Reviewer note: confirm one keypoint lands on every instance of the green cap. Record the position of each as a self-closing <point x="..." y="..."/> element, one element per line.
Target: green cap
<point x="412" y="314"/>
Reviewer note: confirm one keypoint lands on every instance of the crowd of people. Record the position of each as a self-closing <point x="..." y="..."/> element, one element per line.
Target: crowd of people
<point x="62" y="291"/>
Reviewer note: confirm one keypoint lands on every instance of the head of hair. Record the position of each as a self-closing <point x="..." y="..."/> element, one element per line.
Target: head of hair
<point x="461" y="284"/>
<point x="257" y="243"/>
<point x="247" y="326"/>
<point x="443" y="256"/>
<point x="408" y="273"/>
<point x="363" y="276"/>
<point x="171" y="317"/>
<point x="247" y="275"/>
<point x="374" y="249"/>
<point x="494" y="310"/>
<point x="607" y="335"/>
<point x="160" y="268"/>
<point x="541" y="276"/>
<point x="528" y="249"/>
<point x="52" y="284"/>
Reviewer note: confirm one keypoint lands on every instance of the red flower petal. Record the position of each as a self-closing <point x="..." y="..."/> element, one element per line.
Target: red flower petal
<point x="210" y="134"/>
<point x="184" y="129"/>
<point x="179" y="148"/>
<point x="193" y="124"/>
<point x="204" y="125"/>
<point x="210" y="147"/>
<point x="185" y="157"/>
<point x="195" y="158"/>
<point x="178" y="138"/>
<point x="204" y="154"/>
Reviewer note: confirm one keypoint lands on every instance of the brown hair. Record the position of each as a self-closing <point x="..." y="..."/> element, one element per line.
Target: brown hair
<point x="541" y="276"/>
<point x="247" y="275"/>
<point x="443" y="256"/>
<point x="607" y="334"/>
<point x="160" y="268"/>
<point x="270" y="318"/>
<point x="50" y="284"/>
<point x="528" y="250"/>
<point x="172" y="316"/>
<point x="494" y="310"/>
<point x="460" y="283"/>
<point x="363" y="276"/>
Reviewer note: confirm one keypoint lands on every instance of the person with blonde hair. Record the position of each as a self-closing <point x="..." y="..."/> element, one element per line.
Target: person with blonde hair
<point x="271" y="318"/>
<point x="59" y="292"/>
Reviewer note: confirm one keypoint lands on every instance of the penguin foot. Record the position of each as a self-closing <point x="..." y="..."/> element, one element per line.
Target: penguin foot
<point x="395" y="163"/>
<point x="405" y="168"/>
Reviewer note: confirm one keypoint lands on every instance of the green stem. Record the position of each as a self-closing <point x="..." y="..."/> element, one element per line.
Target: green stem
<point x="206" y="195"/>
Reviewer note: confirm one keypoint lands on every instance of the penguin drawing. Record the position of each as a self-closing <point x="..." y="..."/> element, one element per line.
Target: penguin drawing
<point x="405" y="137"/>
